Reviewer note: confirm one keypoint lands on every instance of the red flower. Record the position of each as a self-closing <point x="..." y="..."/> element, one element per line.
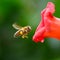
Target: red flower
<point x="49" y="25"/>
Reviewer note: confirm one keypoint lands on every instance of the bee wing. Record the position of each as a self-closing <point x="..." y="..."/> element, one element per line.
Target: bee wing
<point x="16" y="26"/>
<point x="17" y="33"/>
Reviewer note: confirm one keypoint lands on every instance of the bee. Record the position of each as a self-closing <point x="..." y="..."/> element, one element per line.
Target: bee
<point x="21" y="31"/>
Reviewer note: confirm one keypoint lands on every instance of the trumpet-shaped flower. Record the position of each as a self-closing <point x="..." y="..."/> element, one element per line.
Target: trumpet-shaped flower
<point x="49" y="25"/>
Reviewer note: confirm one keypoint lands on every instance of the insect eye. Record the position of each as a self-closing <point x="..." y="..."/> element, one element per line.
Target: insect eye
<point x="29" y="27"/>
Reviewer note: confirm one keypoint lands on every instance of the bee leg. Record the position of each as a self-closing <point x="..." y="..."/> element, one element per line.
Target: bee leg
<point x="24" y="36"/>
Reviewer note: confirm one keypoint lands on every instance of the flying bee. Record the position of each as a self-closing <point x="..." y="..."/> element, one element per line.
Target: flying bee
<point x="21" y="31"/>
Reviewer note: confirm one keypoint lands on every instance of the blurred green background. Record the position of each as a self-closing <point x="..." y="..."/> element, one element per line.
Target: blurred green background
<point x="25" y="12"/>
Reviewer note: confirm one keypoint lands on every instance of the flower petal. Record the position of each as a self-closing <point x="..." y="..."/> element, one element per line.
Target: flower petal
<point x="49" y="25"/>
<point x="39" y="35"/>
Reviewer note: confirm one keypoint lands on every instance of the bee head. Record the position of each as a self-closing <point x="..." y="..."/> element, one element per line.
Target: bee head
<point x="29" y="28"/>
